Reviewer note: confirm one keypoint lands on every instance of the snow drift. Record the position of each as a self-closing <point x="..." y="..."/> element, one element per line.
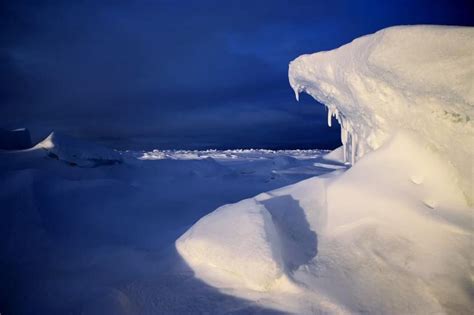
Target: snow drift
<point x="255" y="261"/>
<point x="388" y="236"/>
<point x="393" y="233"/>
<point x="415" y="78"/>
<point x="99" y="240"/>
<point x="78" y="152"/>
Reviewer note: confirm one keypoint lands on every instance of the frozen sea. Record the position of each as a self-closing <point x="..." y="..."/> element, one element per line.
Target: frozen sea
<point x="99" y="239"/>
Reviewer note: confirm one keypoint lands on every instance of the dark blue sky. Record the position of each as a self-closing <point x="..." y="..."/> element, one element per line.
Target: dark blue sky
<point x="181" y="74"/>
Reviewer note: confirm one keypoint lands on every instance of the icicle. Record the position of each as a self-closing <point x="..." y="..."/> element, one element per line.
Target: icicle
<point x="330" y="116"/>
<point x="297" y="93"/>
<point x="353" y="147"/>
<point x="343" y="135"/>
<point x="344" y="141"/>
<point x="360" y="149"/>
<point x="344" y="149"/>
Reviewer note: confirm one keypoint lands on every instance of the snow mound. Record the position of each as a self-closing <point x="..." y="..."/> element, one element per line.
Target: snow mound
<point x="78" y="152"/>
<point x="415" y="78"/>
<point x="391" y="235"/>
<point x="246" y="251"/>
<point x="257" y="243"/>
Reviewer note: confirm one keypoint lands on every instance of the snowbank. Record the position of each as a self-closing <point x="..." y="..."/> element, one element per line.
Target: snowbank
<point x="415" y="78"/>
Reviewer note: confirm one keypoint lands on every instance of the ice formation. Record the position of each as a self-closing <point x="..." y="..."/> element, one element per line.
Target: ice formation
<point x="415" y="78"/>
<point x="77" y="152"/>
<point x="392" y="234"/>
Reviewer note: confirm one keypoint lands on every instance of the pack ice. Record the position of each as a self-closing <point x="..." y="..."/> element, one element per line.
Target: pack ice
<point x="392" y="234"/>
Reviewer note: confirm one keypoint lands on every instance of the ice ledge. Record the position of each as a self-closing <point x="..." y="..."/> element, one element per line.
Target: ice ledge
<point x="412" y="78"/>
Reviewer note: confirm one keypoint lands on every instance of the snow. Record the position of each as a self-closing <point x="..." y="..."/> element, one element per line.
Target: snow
<point x="77" y="152"/>
<point x="249" y="252"/>
<point x="86" y="229"/>
<point x="415" y="78"/>
<point x="97" y="238"/>
<point x="390" y="235"/>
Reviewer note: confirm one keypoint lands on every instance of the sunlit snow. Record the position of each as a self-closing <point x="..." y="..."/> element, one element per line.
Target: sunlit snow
<point x="381" y="225"/>
<point x="392" y="234"/>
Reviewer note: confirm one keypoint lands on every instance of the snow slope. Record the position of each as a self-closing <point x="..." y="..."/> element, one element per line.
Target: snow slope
<point x="80" y="234"/>
<point x="391" y="235"/>
<point x="415" y="78"/>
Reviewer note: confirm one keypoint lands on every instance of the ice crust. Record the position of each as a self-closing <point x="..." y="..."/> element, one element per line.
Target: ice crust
<point x="414" y="78"/>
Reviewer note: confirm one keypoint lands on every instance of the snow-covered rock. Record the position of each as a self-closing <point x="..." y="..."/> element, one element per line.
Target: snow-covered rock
<point x="415" y="78"/>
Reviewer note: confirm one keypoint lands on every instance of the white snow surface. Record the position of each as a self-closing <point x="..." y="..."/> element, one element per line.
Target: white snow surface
<point x="392" y="234"/>
<point x="415" y="78"/>
<point x="82" y="234"/>
<point x="85" y="229"/>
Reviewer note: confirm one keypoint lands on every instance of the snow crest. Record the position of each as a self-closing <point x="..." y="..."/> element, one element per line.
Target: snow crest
<point x="414" y="78"/>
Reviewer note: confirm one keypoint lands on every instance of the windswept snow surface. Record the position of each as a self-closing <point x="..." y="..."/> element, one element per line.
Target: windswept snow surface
<point x="391" y="235"/>
<point x="81" y="233"/>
